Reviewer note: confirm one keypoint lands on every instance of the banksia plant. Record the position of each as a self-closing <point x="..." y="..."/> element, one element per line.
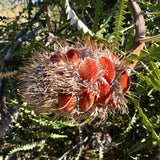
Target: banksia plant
<point x="78" y="82"/>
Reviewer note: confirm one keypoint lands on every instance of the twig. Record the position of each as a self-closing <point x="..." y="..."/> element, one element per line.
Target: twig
<point x="46" y="10"/>
<point x="81" y="141"/>
<point x="74" y="147"/>
<point x="101" y="152"/>
<point x="148" y="39"/>
<point x="24" y="31"/>
<point x="20" y="40"/>
<point x="33" y="21"/>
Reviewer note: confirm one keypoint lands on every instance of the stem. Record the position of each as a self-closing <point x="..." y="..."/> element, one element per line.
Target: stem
<point x="140" y="30"/>
<point x="148" y="39"/>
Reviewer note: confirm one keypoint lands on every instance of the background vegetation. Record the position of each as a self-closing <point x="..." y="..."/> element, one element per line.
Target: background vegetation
<point x="26" y="27"/>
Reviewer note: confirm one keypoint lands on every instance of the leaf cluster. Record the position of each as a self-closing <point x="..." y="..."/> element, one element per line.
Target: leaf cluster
<point x="33" y="30"/>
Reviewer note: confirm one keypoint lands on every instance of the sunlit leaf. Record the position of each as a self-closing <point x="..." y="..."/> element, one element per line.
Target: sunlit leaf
<point x="24" y="148"/>
<point x="155" y="51"/>
<point x="74" y="19"/>
<point x="156" y="71"/>
<point x="134" y="57"/>
<point x="143" y="53"/>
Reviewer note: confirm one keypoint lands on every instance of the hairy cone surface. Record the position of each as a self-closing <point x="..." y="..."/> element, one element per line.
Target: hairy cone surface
<point x="82" y="82"/>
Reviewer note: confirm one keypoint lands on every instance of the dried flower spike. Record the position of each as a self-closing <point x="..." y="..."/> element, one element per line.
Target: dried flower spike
<point x="80" y="82"/>
<point x="112" y="104"/>
<point x="98" y="80"/>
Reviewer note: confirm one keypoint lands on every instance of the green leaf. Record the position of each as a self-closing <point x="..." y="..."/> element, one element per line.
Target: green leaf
<point x="155" y="51"/>
<point x="146" y="122"/>
<point x="150" y="80"/>
<point x="98" y="11"/>
<point x="121" y="5"/>
<point x="130" y="125"/>
<point x="24" y="148"/>
<point x="57" y="136"/>
<point x="155" y="69"/>
<point x="143" y="53"/>
<point x="80" y="25"/>
<point x="60" y="124"/>
<point x="155" y="120"/>
<point x="74" y="19"/>
<point x="134" y="57"/>
<point x="106" y="23"/>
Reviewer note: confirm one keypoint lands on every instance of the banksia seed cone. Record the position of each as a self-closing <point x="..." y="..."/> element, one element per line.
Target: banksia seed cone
<point x="79" y="82"/>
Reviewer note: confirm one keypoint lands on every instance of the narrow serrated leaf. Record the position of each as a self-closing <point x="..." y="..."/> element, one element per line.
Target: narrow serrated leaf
<point x="24" y="148"/>
<point x="119" y="23"/>
<point x="155" y="51"/>
<point x="145" y="121"/>
<point x="57" y="136"/>
<point x="156" y="71"/>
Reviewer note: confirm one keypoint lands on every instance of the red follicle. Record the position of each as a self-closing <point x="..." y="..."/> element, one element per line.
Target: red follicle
<point x="86" y="99"/>
<point x="88" y="70"/>
<point x="58" y="58"/>
<point x="73" y="55"/>
<point x="108" y="67"/>
<point x="124" y="80"/>
<point x="104" y="92"/>
<point x="67" y="102"/>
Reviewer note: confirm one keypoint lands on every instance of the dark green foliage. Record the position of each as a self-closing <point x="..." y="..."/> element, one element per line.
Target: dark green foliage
<point x="119" y="22"/>
<point x="136" y="134"/>
<point x="152" y="76"/>
<point x="24" y="148"/>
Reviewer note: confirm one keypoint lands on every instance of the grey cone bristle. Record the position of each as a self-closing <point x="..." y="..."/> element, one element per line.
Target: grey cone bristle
<point x="43" y="82"/>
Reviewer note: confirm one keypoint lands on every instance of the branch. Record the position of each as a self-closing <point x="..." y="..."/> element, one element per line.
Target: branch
<point x="33" y="21"/>
<point x="140" y="30"/>
<point x="138" y="20"/>
<point x="21" y="37"/>
<point x="74" y="147"/>
<point x="46" y="10"/>
<point x="19" y="41"/>
<point x="24" y="30"/>
<point x="148" y="39"/>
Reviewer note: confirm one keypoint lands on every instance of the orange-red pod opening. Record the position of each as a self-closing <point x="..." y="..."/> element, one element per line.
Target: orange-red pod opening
<point x="88" y="70"/>
<point x="67" y="102"/>
<point x="104" y="92"/>
<point x="124" y="80"/>
<point x="73" y="55"/>
<point x="57" y="58"/>
<point x="86" y="99"/>
<point x="108" y="67"/>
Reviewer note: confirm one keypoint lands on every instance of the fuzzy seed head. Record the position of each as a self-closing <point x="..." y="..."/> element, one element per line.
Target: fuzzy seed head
<point x="81" y="82"/>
